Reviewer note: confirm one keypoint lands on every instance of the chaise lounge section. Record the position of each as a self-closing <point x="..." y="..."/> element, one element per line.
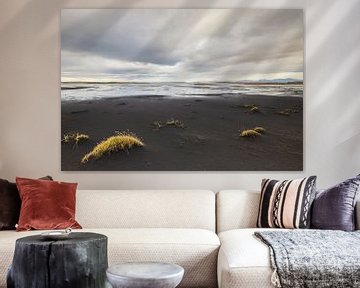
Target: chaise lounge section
<point x="244" y="260"/>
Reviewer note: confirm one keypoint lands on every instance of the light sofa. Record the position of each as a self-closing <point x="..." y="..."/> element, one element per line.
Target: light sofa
<point x="175" y="226"/>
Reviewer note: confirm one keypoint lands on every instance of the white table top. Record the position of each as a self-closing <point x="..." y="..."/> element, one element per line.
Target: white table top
<point x="146" y="270"/>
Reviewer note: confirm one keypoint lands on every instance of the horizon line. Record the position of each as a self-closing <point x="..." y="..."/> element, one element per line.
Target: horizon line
<point x="280" y="81"/>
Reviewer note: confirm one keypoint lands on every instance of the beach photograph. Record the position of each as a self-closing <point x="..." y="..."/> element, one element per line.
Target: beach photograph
<point x="182" y="89"/>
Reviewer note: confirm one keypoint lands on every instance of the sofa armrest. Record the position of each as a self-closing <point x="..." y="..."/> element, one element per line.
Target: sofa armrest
<point x="357" y="215"/>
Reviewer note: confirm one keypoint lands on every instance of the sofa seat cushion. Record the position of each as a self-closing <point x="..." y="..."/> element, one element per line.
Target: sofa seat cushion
<point x="194" y="249"/>
<point x="244" y="261"/>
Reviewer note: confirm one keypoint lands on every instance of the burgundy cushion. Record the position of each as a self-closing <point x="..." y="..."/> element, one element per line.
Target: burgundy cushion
<point x="46" y="204"/>
<point x="10" y="204"/>
<point x="334" y="208"/>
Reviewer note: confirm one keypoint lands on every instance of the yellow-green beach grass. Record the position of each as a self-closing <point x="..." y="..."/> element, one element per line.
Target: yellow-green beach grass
<point x="75" y="138"/>
<point x="121" y="141"/>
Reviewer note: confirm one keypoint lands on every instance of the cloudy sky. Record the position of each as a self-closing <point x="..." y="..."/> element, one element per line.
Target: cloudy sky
<point x="181" y="44"/>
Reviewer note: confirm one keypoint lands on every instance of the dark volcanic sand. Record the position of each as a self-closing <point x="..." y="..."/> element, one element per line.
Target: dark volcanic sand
<point x="210" y="140"/>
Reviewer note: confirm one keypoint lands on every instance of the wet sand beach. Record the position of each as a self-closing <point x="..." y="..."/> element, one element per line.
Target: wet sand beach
<point x="209" y="140"/>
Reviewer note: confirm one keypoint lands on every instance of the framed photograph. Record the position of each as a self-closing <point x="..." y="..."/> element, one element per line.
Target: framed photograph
<point x="182" y="89"/>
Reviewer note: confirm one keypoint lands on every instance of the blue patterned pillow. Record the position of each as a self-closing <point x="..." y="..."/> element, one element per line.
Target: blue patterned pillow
<point x="334" y="208"/>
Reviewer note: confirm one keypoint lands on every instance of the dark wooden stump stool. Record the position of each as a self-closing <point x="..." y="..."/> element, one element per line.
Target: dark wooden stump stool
<point x="79" y="261"/>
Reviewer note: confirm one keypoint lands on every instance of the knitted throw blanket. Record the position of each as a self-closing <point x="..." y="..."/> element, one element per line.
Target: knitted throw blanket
<point x="313" y="258"/>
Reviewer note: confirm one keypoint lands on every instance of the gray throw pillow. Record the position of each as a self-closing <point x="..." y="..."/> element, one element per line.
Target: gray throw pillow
<point x="334" y="208"/>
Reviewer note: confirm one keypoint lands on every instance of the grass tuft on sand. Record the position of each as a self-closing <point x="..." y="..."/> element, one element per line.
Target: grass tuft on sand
<point x="288" y="111"/>
<point x="254" y="132"/>
<point x="249" y="133"/>
<point x="283" y="113"/>
<point x="121" y="141"/>
<point x="260" y="130"/>
<point x="250" y="108"/>
<point x="75" y="138"/>
<point x="247" y="106"/>
<point x="254" y="109"/>
<point x="170" y="122"/>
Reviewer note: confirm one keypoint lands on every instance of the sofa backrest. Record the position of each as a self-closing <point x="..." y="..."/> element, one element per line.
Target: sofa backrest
<point x="146" y="209"/>
<point x="236" y="209"/>
<point x="239" y="209"/>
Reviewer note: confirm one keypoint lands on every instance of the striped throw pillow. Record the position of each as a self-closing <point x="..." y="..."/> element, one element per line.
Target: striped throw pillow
<point x="286" y="204"/>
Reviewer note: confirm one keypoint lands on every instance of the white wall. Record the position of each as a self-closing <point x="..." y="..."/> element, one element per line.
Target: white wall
<point x="30" y="94"/>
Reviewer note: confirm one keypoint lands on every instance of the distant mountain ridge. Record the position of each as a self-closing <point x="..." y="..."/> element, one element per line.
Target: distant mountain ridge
<point x="285" y="80"/>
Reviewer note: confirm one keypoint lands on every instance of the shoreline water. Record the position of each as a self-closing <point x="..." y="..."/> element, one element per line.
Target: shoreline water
<point x="209" y="140"/>
<point x="93" y="91"/>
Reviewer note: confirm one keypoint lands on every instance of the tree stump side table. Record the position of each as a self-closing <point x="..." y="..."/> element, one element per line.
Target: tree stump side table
<point x="78" y="261"/>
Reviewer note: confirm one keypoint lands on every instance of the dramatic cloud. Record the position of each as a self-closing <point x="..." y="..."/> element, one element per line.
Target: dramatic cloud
<point x="181" y="44"/>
